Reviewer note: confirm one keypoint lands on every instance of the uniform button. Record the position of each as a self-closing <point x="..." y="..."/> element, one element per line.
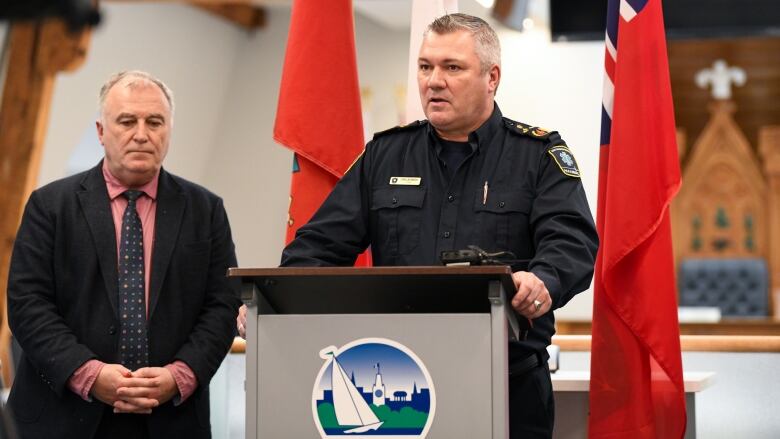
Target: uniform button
<point x="446" y="234"/>
<point x="501" y="204"/>
<point x="450" y="198"/>
<point x="395" y="200"/>
<point x="111" y="330"/>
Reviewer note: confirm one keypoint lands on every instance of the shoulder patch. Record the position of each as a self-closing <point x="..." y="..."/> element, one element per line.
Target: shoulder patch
<point x="531" y="131"/>
<point x="399" y="128"/>
<point x="565" y="160"/>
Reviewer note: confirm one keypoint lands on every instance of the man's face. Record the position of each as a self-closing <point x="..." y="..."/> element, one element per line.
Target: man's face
<point x="135" y="130"/>
<point x="456" y="96"/>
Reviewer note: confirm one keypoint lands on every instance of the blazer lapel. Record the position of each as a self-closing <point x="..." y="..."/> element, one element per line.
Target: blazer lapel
<point x="97" y="210"/>
<point x="170" y="212"/>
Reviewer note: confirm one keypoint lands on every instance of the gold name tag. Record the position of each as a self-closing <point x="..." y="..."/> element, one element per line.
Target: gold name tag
<point x="405" y="181"/>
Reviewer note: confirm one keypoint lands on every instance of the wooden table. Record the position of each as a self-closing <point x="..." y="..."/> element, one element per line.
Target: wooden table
<point x="572" y="405"/>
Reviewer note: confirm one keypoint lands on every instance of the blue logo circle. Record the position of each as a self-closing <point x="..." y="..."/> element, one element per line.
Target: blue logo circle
<point x="372" y="387"/>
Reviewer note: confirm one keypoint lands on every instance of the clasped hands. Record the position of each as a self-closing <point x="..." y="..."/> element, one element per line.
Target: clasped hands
<point x="134" y="391"/>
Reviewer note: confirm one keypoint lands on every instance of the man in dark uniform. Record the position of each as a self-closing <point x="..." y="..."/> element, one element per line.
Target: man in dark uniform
<point x="467" y="176"/>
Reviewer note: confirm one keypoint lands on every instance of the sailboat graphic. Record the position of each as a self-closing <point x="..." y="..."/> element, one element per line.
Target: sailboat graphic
<point x="349" y="405"/>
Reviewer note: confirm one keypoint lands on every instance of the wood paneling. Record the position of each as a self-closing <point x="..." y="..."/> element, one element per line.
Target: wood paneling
<point x="769" y="150"/>
<point x="729" y="155"/>
<point x="757" y="102"/>
<point x="690" y="343"/>
<point x="249" y="17"/>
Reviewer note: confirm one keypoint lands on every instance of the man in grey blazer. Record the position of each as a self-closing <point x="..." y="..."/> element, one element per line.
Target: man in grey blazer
<point x="117" y="291"/>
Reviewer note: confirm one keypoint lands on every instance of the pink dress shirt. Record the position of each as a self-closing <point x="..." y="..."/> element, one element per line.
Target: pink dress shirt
<point x="84" y="377"/>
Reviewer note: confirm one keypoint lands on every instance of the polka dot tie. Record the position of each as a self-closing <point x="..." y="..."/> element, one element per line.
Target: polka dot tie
<point x="133" y="345"/>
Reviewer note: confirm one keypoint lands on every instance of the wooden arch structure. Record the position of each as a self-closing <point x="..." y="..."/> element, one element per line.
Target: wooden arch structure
<point x="729" y="203"/>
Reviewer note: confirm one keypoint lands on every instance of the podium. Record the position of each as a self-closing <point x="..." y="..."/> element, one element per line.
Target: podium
<point x="388" y="351"/>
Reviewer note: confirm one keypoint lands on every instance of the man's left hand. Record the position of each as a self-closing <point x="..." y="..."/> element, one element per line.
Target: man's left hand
<point x="147" y="384"/>
<point x="532" y="300"/>
<point x="241" y="321"/>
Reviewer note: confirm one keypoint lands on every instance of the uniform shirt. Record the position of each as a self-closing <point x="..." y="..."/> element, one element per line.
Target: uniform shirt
<point x="452" y="154"/>
<point x="511" y="193"/>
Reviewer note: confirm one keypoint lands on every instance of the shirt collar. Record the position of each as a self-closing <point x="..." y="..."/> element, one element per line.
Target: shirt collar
<point x="116" y="188"/>
<point x="439" y="143"/>
<point x="477" y="139"/>
<point x="484" y="134"/>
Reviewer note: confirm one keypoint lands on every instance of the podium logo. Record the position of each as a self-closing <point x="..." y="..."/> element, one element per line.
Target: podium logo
<point x="373" y="387"/>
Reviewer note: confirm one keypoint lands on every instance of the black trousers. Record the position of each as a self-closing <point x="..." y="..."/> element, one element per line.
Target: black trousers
<point x="531" y="404"/>
<point x="122" y="426"/>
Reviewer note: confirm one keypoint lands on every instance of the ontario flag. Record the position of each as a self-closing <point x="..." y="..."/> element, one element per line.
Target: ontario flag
<point x="318" y="116"/>
<point x="636" y="383"/>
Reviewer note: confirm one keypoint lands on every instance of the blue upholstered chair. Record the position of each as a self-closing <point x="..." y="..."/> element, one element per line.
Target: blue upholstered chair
<point x="737" y="286"/>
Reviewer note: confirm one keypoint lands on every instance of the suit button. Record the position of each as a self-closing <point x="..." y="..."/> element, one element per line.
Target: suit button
<point x="111" y="330"/>
<point x="450" y="198"/>
<point x="501" y="204"/>
<point x="446" y="234"/>
<point x="395" y="200"/>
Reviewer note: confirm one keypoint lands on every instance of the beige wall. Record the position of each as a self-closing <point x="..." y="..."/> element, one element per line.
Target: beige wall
<point x="247" y="167"/>
<point x="191" y="51"/>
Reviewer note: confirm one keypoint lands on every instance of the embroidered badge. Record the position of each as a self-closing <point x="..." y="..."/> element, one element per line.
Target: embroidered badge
<point x="565" y="160"/>
<point x="522" y="128"/>
<point x="539" y="132"/>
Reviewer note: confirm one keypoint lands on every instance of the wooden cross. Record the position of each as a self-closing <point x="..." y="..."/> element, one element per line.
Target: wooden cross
<point x="720" y="77"/>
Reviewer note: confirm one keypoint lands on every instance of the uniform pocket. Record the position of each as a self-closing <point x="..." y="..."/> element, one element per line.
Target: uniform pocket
<point x="398" y="211"/>
<point x="502" y="216"/>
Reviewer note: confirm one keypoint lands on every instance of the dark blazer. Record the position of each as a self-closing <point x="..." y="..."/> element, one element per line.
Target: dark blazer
<point x="62" y="301"/>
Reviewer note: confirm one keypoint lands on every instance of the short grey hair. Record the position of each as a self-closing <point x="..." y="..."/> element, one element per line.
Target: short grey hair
<point x="141" y="76"/>
<point x="486" y="42"/>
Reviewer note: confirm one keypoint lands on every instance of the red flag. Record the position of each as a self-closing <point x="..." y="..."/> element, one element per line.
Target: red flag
<point x="636" y="385"/>
<point x="318" y="115"/>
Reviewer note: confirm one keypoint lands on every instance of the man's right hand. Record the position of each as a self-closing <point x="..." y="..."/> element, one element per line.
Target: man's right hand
<point x="241" y="321"/>
<point x="109" y="380"/>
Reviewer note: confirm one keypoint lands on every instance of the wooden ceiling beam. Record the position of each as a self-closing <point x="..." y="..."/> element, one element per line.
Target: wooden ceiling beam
<point x="247" y="16"/>
<point x="207" y="2"/>
<point x="502" y="9"/>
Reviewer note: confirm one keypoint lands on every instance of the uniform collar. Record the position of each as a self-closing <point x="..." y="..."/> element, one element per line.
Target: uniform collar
<point x="485" y="133"/>
<point x="479" y="138"/>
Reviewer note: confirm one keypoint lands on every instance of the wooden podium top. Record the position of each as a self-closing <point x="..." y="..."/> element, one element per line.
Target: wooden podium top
<point x="434" y="270"/>
<point x="434" y="289"/>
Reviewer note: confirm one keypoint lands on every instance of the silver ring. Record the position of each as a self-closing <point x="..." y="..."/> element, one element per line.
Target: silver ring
<point x="537" y="305"/>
